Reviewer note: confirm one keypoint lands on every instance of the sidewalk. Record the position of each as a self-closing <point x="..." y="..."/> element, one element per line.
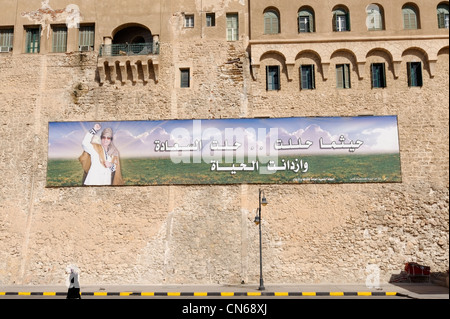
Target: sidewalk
<point x="405" y="290"/>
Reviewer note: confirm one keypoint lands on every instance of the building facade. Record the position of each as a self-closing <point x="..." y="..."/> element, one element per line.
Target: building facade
<point x="66" y="61"/>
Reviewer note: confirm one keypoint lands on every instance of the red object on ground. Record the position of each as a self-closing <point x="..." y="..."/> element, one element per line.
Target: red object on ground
<point x="414" y="269"/>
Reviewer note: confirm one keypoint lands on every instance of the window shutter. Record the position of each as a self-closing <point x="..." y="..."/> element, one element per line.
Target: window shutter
<point x="38" y="39"/>
<point x="28" y="41"/>
<point x="86" y="36"/>
<point x="410" y="73"/>
<point x="267" y="24"/>
<point x="347" y="21"/>
<point x="406" y="21"/>
<point x="346" y="76"/>
<point x="383" y="76"/>
<point x="6" y="37"/>
<point x="378" y="22"/>
<point x="276" y="77"/>
<point x="268" y="80"/>
<point x="313" y="77"/>
<point x="441" y="20"/>
<point x="59" y="39"/>
<point x="303" y="78"/>
<point x="311" y="22"/>
<point x="419" y="74"/>
<point x="335" y="22"/>
<point x="339" y="76"/>
<point x="374" y="76"/>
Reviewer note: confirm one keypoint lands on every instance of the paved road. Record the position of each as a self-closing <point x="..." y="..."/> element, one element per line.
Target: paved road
<point x="226" y="301"/>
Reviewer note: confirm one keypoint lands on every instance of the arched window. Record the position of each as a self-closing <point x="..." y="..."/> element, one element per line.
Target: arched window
<point x="410" y="17"/>
<point x="341" y="19"/>
<point x="271" y="22"/>
<point x="442" y="16"/>
<point x="374" y="20"/>
<point x="305" y="20"/>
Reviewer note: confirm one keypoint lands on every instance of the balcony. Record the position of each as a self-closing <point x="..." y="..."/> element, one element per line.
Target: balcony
<point x="127" y="62"/>
<point x="128" y="49"/>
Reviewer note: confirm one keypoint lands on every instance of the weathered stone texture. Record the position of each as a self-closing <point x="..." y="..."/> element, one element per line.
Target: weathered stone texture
<point x="206" y="234"/>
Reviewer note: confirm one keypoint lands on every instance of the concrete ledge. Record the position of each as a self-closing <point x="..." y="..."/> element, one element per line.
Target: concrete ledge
<point x="357" y="290"/>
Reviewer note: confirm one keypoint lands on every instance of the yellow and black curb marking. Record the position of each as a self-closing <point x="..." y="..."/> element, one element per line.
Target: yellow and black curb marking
<point x="207" y="294"/>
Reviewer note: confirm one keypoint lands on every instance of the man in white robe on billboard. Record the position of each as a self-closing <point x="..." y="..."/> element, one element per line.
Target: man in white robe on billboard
<point x="101" y="162"/>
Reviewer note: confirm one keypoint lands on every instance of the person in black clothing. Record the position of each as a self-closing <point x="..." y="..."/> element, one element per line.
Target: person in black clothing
<point x="74" y="285"/>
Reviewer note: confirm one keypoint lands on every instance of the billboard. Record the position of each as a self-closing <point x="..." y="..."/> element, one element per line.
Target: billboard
<point x="224" y="151"/>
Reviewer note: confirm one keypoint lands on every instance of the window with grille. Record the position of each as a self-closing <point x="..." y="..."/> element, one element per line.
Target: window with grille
<point x="86" y="38"/>
<point x="6" y="39"/>
<point x="272" y="78"/>
<point x="442" y="16"/>
<point x="232" y="27"/>
<point x="271" y="22"/>
<point x="414" y="74"/>
<point x="307" y="77"/>
<point x="343" y="76"/>
<point x="32" y="40"/>
<point x="378" y="75"/>
<point x="59" y="40"/>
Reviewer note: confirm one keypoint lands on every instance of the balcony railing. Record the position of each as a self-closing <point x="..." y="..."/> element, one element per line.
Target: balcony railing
<point x="126" y="49"/>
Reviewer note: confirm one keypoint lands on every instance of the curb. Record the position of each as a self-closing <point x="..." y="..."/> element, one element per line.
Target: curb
<point x="208" y="294"/>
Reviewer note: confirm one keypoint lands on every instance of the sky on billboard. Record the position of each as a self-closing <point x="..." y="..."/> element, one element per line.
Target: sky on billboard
<point x="365" y="134"/>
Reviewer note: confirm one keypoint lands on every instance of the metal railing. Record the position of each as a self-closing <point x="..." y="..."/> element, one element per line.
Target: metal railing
<point x="126" y="49"/>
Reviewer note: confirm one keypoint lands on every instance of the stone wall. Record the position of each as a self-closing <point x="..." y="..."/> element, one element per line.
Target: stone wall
<point x="206" y="234"/>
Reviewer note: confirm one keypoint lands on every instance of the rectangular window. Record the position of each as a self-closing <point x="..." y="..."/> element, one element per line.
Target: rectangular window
<point x="307" y="77"/>
<point x="271" y="22"/>
<point x="59" y="41"/>
<point x="304" y="24"/>
<point x="86" y="38"/>
<point x="232" y="27"/>
<point x="414" y="74"/>
<point x="343" y="76"/>
<point x="272" y="78"/>
<point x="185" y="77"/>
<point x="189" y="21"/>
<point x="409" y="19"/>
<point x="32" y="40"/>
<point x="443" y="20"/>
<point x="378" y="75"/>
<point x="6" y="39"/>
<point x="341" y="23"/>
<point x="210" y="19"/>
